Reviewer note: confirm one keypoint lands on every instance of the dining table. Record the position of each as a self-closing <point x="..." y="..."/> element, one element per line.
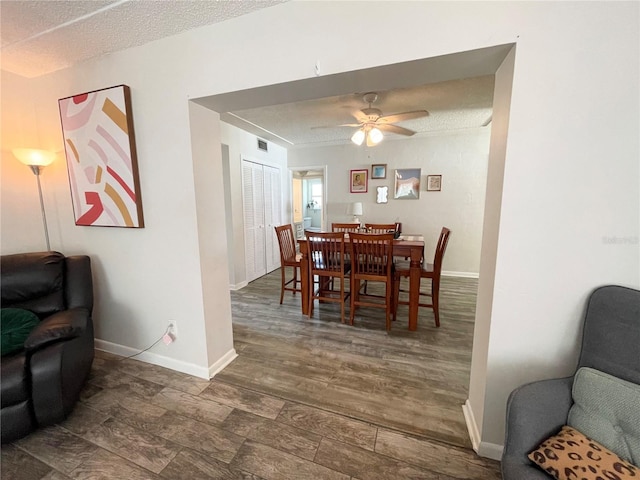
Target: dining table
<point x="410" y="247"/>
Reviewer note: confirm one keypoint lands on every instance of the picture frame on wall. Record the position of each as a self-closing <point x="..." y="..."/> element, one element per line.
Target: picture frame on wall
<point x="434" y="183"/>
<point x="102" y="164"/>
<point x="359" y="181"/>
<point x="378" y="171"/>
<point x="407" y="184"/>
<point x="382" y="194"/>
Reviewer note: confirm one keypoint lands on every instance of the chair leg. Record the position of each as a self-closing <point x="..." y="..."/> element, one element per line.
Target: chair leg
<point x="396" y="295"/>
<point x="310" y="307"/>
<point x="342" y="302"/>
<point x="295" y="279"/>
<point x="355" y="286"/>
<point x="282" y="281"/>
<point x="435" y="300"/>
<point x="389" y="304"/>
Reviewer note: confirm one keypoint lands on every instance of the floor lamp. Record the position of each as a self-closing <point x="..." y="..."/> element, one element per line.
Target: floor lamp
<point x="36" y="160"/>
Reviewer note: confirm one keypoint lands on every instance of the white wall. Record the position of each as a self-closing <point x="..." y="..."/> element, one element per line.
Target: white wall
<point x="571" y="177"/>
<point x="243" y="145"/>
<point x="460" y="157"/>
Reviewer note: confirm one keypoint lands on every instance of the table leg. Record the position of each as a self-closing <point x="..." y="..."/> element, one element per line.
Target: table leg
<point x="414" y="291"/>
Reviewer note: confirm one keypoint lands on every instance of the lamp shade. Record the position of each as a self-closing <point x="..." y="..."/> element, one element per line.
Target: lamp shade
<point x="32" y="156"/>
<point x="375" y="135"/>
<point x="358" y="137"/>
<point x="355" y="208"/>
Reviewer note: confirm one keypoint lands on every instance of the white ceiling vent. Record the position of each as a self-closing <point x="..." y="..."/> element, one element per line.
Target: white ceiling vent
<point x="262" y="145"/>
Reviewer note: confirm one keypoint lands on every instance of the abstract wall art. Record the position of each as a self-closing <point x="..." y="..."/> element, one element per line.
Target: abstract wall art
<point x="407" y="184"/>
<point x="100" y="148"/>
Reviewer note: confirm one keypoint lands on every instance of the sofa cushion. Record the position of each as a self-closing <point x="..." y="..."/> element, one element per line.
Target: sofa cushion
<point x="15" y="326"/>
<point x="33" y="281"/>
<point x="570" y="455"/>
<point x="607" y="409"/>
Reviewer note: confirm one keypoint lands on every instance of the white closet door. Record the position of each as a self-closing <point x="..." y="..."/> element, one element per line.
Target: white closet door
<point x="254" y="227"/>
<point x="272" y="215"/>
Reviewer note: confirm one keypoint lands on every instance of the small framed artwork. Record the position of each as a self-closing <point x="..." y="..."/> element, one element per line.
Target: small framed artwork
<point x="382" y="194"/>
<point x="359" y="181"/>
<point x="379" y="171"/>
<point x="434" y="183"/>
<point x="407" y="184"/>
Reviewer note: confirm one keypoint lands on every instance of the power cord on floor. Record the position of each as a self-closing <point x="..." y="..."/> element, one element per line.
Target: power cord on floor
<point x="149" y="347"/>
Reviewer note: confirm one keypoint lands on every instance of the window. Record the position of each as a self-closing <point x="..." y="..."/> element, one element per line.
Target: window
<point x="316" y="196"/>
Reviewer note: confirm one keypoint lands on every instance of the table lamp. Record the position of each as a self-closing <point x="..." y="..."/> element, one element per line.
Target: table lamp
<point x="355" y="209"/>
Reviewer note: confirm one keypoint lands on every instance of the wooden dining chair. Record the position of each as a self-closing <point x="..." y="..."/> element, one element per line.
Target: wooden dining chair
<point x="327" y="261"/>
<point x="288" y="258"/>
<point x="379" y="228"/>
<point x="345" y="227"/>
<point x="372" y="261"/>
<point x="428" y="270"/>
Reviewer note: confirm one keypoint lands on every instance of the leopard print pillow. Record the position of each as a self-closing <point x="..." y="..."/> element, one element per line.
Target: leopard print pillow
<point x="570" y="455"/>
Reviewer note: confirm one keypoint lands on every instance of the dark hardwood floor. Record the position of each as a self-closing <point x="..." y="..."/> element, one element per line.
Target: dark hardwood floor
<point x="414" y="382"/>
<point x="305" y="399"/>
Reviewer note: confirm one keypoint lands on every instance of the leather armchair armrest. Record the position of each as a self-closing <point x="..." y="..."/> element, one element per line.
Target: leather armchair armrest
<point x="535" y="411"/>
<point x="78" y="282"/>
<point x="60" y="326"/>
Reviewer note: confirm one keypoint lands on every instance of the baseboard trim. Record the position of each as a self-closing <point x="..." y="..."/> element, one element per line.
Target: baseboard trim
<point x="472" y="426"/>
<point x="483" y="449"/>
<point x="238" y="286"/>
<point x="226" y="359"/>
<point x="490" y="450"/>
<point x="460" y="274"/>
<point x="154" y="359"/>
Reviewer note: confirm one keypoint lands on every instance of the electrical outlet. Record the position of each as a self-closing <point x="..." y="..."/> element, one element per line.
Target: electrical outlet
<point x="173" y="329"/>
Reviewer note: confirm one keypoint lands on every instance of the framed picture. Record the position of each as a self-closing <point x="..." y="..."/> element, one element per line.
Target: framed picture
<point x="359" y="181"/>
<point x="379" y="170"/>
<point x="100" y="147"/>
<point x="434" y="183"/>
<point x="382" y="194"/>
<point x="407" y="184"/>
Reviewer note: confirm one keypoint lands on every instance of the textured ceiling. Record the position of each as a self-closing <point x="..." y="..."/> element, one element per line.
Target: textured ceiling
<point x="39" y="37"/>
<point x="452" y="105"/>
<point x="42" y="36"/>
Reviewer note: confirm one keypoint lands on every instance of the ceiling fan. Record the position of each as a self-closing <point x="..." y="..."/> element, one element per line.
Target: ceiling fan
<point x="372" y="122"/>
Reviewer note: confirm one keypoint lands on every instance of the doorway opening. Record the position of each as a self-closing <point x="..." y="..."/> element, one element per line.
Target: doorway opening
<point x="308" y="199"/>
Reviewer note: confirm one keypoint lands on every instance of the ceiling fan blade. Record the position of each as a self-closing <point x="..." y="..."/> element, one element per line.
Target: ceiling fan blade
<point x="334" y="126"/>
<point x="361" y="117"/>
<point x="401" y="117"/>
<point x="395" y="129"/>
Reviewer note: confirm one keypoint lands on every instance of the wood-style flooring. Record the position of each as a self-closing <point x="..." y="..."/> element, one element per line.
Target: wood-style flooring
<point x="415" y="382"/>
<point x="140" y="421"/>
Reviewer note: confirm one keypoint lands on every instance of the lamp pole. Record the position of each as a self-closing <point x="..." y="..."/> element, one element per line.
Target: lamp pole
<point x="36" y="169"/>
<point x="36" y="160"/>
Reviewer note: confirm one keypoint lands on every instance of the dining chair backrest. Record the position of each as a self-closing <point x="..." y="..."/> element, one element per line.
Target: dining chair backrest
<point x="345" y="227"/>
<point x="440" y="249"/>
<point x="326" y="252"/>
<point x="372" y="254"/>
<point x="287" y="243"/>
<point x="372" y="261"/>
<point x="380" y="227"/>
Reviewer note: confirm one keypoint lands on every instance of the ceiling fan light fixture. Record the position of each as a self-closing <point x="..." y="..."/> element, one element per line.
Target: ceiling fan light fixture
<point x="358" y="137"/>
<point x="375" y="135"/>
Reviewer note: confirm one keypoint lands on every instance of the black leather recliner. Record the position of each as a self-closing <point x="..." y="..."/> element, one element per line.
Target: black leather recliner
<point x="40" y="384"/>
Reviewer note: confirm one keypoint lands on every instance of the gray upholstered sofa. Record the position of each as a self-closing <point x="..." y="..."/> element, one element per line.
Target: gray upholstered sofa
<point x="610" y="344"/>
